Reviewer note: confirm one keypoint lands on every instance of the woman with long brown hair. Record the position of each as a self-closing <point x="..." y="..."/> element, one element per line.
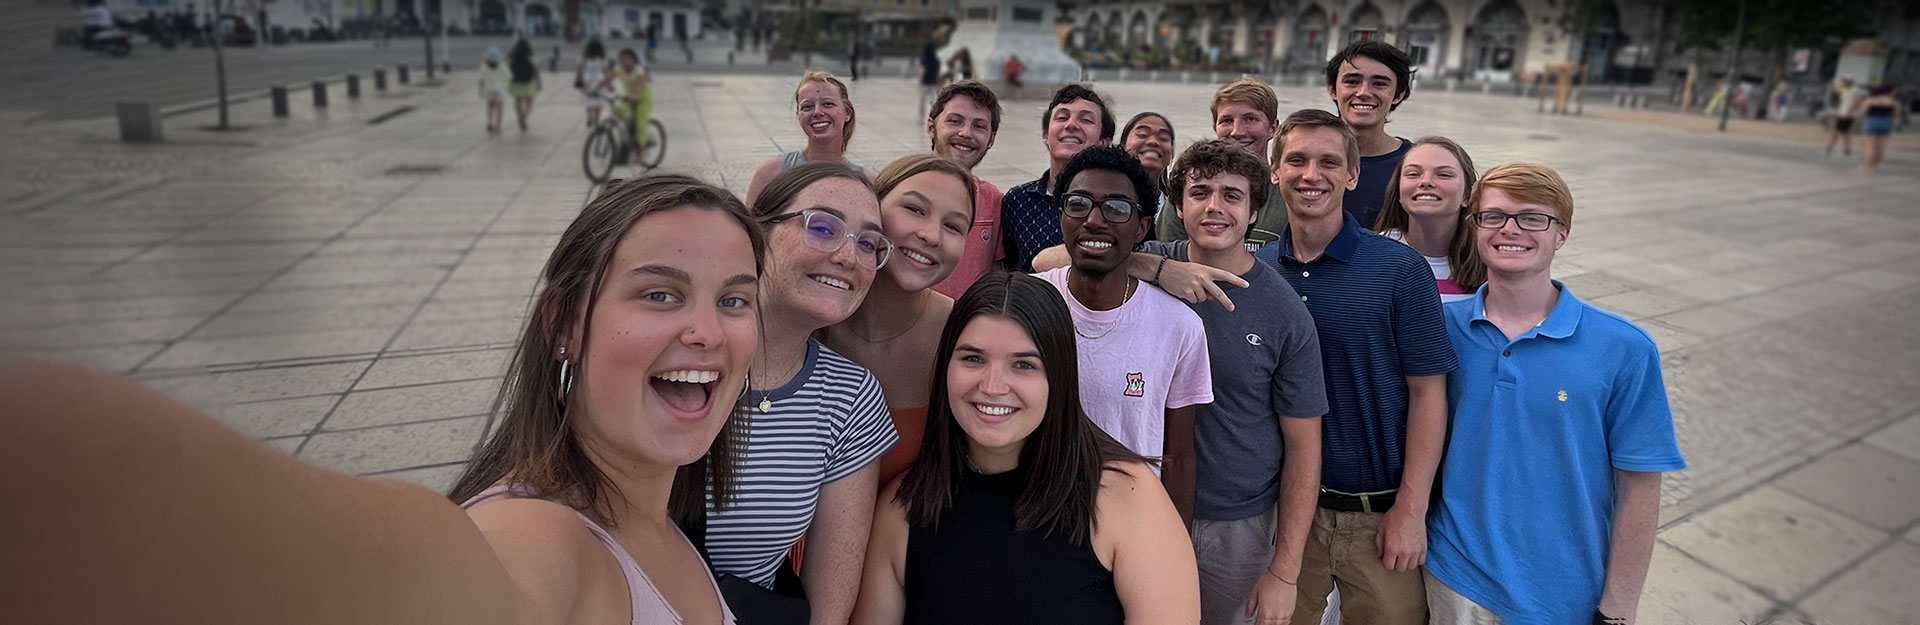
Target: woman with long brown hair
<point x="631" y="367"/>
<point x="1426" y="208"/>
<point x="1019" y="509"/>
<point x="926" y="208"/>
<point x="826" y="117"/>
<point x="819" y="420"/>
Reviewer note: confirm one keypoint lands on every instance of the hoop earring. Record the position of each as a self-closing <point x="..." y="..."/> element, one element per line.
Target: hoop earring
<point x="566" y="377"/>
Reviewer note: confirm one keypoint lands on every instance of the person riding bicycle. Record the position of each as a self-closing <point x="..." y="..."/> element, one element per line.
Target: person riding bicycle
<point x="636" y="95"/>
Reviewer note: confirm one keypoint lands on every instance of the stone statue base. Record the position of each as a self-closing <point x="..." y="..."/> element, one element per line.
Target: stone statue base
<point x="993" y="30"/>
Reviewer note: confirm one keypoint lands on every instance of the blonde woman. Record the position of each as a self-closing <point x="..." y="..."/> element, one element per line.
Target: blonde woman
<point x="826" y="119"/>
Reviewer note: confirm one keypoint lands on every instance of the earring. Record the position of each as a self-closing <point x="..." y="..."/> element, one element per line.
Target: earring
<point x="566" y="376"/>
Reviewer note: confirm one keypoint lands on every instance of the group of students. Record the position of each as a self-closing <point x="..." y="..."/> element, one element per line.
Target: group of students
<point x="829" y="392"/>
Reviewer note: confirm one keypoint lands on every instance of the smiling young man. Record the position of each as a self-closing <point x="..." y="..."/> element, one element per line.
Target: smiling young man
<point x="1561" y="409"/>
<point x="1385" y="354"/>
<point x="1367" y="81"/>
<point x="961" y="126"/>
<point x="1075" y="119"/>
<point x="1245" y="112"/>
<point x="1143" y="354"/>
<point x="1257" y="446"/>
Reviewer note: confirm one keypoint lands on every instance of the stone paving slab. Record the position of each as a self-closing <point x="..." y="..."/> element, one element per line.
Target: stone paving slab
<point x="348" y="291"/>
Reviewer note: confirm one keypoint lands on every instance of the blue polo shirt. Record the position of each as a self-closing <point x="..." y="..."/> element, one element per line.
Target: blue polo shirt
<point x="1539" y="425"/>
<point x="1377" y="313"/>
<point x="1029" y="222"/>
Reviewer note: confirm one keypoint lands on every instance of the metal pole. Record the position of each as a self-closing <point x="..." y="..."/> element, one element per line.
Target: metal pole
<point x="219" y="65"/>
<point x="1733" y="66"/>
<point x="428" y="39"/>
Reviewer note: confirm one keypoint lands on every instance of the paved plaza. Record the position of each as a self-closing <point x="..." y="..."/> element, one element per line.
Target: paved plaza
<point x="343" y="284"/>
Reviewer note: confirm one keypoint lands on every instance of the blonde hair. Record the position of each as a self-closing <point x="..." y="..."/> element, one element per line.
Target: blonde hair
<point x="1531" y="183"/>
<point x="1250" y="91"/>
<point x="814" y="75"/>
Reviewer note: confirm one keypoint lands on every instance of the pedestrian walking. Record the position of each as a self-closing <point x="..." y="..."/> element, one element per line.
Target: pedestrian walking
<point x="929" y="76"/>
<point x="1877" y="111"/>
<point x="590" y="78"/>
<point x="526" y="80"/>
<point x="494" y="78"/>
<point x="1846" y="97"/>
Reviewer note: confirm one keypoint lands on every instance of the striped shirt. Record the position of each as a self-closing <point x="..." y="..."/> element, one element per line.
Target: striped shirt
<point x="825" y="424"/>
<point x="1378" y="315"/>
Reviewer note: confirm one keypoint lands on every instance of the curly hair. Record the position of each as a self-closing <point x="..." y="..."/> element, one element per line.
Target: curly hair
<point x="1213" y="157"/>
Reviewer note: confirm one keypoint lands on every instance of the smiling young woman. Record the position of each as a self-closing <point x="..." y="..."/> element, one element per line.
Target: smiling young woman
<point x="630" y="368"/>
<point x="826" y="118"/>
<point x="926" y="208"/>
<point x="819" y="420"/>
<point x="1017" y="497"/>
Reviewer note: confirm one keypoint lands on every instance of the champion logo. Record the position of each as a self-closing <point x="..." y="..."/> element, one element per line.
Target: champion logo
<point x="1255" y="340"/>
<point x="1136" y="385"/>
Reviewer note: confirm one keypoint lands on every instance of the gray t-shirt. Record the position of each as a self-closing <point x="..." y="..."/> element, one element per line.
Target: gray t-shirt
<point x="1266" y="225"/>
<point x="1265" y="357"/>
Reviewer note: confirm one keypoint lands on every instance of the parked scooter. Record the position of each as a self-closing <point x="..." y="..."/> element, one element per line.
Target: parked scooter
<point x="116" y="41"/>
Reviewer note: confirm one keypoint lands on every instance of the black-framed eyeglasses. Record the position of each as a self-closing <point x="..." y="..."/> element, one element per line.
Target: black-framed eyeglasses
<point x="1115" y="210"/>
<point x="1494" y="220"/>
<point x="828" y="233"/>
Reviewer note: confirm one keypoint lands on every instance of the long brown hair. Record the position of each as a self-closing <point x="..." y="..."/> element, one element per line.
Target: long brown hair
<point x="535" y="448"/>
<point x="909" y="166"/>
<point x="1468" y="272"/>
<point x="1065" y="455"/>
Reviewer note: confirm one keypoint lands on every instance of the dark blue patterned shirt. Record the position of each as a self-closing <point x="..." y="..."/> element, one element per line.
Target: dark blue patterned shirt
<point x="1029" y="222"/>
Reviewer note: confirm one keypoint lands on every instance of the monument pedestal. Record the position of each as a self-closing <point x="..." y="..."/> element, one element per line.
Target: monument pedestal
<point x="992" y="30"/>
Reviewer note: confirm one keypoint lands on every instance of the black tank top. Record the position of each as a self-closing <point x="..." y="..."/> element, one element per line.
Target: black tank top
<point x="976" y="568"/>
<point x="1880" y="110"/>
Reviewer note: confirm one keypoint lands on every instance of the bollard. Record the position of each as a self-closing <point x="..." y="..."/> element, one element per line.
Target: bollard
<point x="1619" y="99"/>
<point x="319" y="94"/>
<point x="729" y="57"/>
<point x="279" y="101"/>
<point x="807" y="59"/>
<point x="690" y="55"/>
<point x="1213" y="78"/>
<point x="139" y="121"/>
<point x="1185" y="76"/>
<point x="400" y="73"/>
<point x="353" y="85"/>
<point x="379" y="79"/>
<point x="446" y="68"/>
<point x="1153" y="76"/>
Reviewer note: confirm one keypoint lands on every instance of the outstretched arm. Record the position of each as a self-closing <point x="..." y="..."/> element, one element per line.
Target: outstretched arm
<point x="1192" y="282"/>
<point x="115" y="487"/>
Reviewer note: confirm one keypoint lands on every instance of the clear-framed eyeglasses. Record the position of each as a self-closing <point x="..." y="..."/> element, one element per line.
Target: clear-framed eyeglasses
<point x="829" y="233"/>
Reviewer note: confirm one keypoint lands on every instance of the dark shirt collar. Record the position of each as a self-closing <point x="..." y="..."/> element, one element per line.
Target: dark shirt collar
<point x="1342" y="246"/>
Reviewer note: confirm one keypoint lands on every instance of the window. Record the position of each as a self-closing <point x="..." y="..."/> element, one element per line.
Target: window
<point x="1026" y="14"/>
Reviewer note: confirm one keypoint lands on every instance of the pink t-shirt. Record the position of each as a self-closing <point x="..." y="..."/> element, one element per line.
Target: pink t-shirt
<point x="1150" y="354"/>
<point x="983" y="241"/>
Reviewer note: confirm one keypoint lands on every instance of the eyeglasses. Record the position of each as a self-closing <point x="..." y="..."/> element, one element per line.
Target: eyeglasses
<point x="1115" y="210"/>
<point x="1494" y="220"/>
<point x="828" y="233"/>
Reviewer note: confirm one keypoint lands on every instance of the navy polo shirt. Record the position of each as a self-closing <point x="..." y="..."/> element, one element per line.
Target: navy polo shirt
<point x="1377" y="312"/>
<point x="1540" y="423"/>
<point x="1029" y="222"/>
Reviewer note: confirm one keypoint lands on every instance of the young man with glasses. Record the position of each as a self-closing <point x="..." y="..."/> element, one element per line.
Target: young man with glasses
<point x="1143" y="354"/>
<point x="1385" y="355"/>
<point x="1561" y="410"/>
<point x="1257" y="446"/>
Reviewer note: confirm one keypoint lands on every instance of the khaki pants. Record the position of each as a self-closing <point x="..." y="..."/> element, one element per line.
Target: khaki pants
<point x="1340" y="550"/>
<point x="1450" y="608"/>
<point x="1232" y="556"/>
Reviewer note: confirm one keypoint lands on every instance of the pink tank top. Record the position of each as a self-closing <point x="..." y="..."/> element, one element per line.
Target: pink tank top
<point x="649" y="606"/>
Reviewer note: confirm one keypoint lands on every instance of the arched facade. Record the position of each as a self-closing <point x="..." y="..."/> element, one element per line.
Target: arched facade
<point x="1309" y="41"/>
<point x="1499" y="41"/>
<point x="1424" y="37"/>
<point x="1366" y="24"/>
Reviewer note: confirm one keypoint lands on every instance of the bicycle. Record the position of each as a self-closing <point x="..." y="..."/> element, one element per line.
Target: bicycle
<point x="611" y="143"/>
